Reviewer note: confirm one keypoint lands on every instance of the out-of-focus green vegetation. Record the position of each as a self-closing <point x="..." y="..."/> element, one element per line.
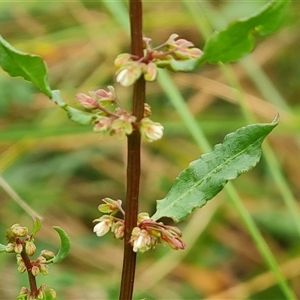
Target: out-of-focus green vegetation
<point x="62" y="170"/>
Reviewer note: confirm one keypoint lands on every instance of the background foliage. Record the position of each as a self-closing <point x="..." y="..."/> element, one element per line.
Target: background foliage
<point x="62" y="170"/>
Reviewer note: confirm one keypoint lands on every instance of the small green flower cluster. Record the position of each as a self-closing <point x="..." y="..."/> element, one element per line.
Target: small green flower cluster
<point x="131" y="68"/>
<point x="111" y="119"/>
<point x="145" y="236"/>
<point x="22" y="244"/>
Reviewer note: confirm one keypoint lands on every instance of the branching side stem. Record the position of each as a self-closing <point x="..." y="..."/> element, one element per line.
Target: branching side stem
<point x="133" y="155"/>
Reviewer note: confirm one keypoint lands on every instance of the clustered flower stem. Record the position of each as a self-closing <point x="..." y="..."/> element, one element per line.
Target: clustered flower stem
<point x="133" y="156"/>
<point x="31" y="277"/>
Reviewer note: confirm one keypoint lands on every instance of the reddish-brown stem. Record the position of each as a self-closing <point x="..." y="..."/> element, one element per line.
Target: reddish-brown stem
<point x="31" y="278"/>
<point x="133" y="156"/>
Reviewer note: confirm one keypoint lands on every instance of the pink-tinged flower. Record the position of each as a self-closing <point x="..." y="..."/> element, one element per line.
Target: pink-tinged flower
<point x="141" y="240"/>
<point x="123" y="125"/>
<point x="122" y="59"/>
<point x="104" y="225"/>
<point x="152" y="131"/>
<point x="86" y="101"/>
<point x="173" y="242"/>
<point x="103" y="95"/>
<point x="102" y="124"/>
<point x="129" y="73"/>
<point x="183" y="48"/>
<point x="118" y="229"/>
<point x="150" y="71"/>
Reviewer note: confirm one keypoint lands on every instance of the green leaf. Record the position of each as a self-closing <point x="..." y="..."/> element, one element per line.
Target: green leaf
<point x="37" y="225"/>
<point x="64" y="247"/>
<point x="31" y="67"/>
<point x="207" y="176"/>
<point x="238" y="39"/>
<point x="2" y="248"/>
<point x="74" y="114"/>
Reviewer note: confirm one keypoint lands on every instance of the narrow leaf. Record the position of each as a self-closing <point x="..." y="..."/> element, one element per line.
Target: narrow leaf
<point x="64" y="247"/>
<point x="31" y="67"/>
<point x="238" y="39"/>
<point x="207" y="176"/>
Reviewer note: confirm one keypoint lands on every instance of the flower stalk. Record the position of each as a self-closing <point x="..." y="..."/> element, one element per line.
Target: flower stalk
<point x="133" y="155"/>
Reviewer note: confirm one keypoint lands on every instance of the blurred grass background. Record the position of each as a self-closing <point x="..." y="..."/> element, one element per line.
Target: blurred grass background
<point x="62" y="170"/>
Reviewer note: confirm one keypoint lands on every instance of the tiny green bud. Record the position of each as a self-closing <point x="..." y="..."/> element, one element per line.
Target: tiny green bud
<point x="18" y="248"/>
<point x="47" y="254"/>
<point x="30" y="248"/>
<point x="44" y="269"/>
<point x="10" y="248"/>
<point x="19" y="230"/>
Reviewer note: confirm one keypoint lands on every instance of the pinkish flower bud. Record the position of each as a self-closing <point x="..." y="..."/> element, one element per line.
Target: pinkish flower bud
<point x="118" y="229"/>
<point x="86" y="101"/>
<point x="35" y="270"/>
<point x="10" y="247"/>
<point x="174" y="243"/>
<point x="19" y="231"/>
<point x="44" y="269"/>
<point x="102" y="124"/>
<point x="24" y="293"/>
<point x="122" y="59"/>
<point x="21" y="268"/>
<point x="152" y="131"/>
<point x="30" y="248"/>
<point x="18" y="248"/>
<point x="147" y="110"/>
<point x="150" y="71"/>
<point x="103" y="95"/>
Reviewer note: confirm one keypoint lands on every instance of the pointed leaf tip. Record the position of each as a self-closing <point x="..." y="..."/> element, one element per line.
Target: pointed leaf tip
<point x="64" y="247"/>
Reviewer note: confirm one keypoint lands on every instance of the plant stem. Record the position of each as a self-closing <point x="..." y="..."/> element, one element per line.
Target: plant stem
<point x="133" y="156"/>
<point x="31" y="278"/>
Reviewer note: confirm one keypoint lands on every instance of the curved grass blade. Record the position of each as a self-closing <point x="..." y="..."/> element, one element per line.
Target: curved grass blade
<point x="207" y="176"/>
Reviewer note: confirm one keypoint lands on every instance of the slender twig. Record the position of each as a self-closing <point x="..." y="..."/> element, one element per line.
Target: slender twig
<point x="133" y="155"/>
<point x="31" y="277"/>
